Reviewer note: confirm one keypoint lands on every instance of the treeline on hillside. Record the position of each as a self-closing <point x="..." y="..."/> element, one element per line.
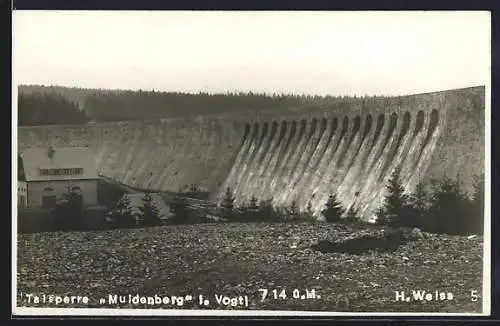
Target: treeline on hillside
<point x="131" y="105"/>
<point x="73" y="94"/>
<point x="101" y="105"/>
<point x="441" y="207"/>
<point x="48" y="109"/>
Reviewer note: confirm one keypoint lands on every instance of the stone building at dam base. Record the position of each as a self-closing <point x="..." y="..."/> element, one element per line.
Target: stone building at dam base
<point x="298" y="154"/>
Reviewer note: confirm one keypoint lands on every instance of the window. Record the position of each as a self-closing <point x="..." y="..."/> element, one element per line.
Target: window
<point x="22" y="201"/>
<point x="76" y="190"/>
<point x="48" y="189"/>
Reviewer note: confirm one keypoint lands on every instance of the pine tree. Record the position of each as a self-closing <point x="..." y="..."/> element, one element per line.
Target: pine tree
<point x="76" y="210"/>
<point x="150" y="214"/>
<point x="241" y="213"/>
<point x="293" y="211"/>
<point x="69" y="211"/>
<point x="125" y="217"/>
<point x="266" y="211"/>
<point x="308" y="214"/>
<point x="253" y="206"/>
<point x="420" y="199"/>
<point x="194" y="190"/>
<point x="228" y="204"/>
<point x="352" y="215"/>
<point x="450" y="207"/>
<point x="382" y="218"/>
<point x="395" y="205"/>
<point x="478" y="192"/>
<point x="418" y="208"/>
<point x="333" y="209"/>
<point x="228" y="200"/>
<point x="309" y="209"/>
<point x="180" y="211"/>
<point x="396" y="199"/>
<point x="478" y="203"/>
<point x="477" y="223"/>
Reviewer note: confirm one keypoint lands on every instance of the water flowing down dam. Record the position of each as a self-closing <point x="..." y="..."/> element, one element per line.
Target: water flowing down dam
<point x="300" y="155"/>
<point x="323" y="158"/>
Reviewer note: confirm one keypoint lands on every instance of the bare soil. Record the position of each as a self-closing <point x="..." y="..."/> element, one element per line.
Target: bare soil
<point x="238" y="259"/>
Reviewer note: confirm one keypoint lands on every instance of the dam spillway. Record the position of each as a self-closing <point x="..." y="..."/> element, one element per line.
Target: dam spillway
<point x="300" y="155"/>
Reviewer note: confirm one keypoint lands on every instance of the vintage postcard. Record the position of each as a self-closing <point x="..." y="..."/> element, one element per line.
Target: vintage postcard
<point x="246" y="163"/>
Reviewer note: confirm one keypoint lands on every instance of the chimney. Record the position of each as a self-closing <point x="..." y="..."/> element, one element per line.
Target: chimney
<point x="51" y="152"/>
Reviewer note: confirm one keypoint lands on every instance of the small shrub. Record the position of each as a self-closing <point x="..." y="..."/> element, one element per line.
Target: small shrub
<point x="267" y="212"/>
<point x="253" y="206"/>
<point x="240" y="213"/>
<point x="150" y="214"/>
<point x="248" y="213"/>
<point x="227" y="205"/>
<point x="109" y="194"/>
<point x="69" y="212"/>
<point x="180" y="210"/>
<point x="193" y="191"/>
<point x="122" y="215"/>
<point x="333" y="210"/>
<point x="255" y="211"/>
<point x="194" y="188"/>
<point x="293" y="213"/>
<point x="309" y="210"/>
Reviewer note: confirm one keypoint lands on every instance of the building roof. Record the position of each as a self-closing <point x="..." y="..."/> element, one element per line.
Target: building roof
<point x="36" y="160"/>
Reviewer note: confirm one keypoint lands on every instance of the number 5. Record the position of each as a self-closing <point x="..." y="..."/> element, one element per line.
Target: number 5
<point x="473" y="294"/>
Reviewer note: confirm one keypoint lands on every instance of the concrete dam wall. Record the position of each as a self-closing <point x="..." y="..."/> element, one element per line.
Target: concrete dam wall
<point x="301" y="155"/>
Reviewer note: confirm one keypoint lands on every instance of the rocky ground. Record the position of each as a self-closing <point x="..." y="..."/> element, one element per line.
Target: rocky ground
<point x="240" y="259"/>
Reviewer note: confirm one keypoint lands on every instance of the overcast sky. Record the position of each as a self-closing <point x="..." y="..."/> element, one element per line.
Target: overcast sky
<point x="336" y="53"/>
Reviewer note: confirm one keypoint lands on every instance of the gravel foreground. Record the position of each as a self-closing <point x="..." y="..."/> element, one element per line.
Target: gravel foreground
<point x="177" y="264"/>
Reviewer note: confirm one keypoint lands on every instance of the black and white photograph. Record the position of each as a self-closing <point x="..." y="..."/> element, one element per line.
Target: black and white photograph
<point x="251" y="163"/>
